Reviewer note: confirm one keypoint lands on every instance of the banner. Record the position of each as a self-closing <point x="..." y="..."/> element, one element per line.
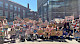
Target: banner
<point x="75" y="24"/>
<point x="56" y="33"/>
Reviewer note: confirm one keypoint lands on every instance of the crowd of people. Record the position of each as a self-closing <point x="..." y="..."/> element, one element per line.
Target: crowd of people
<point x="33" y="30"/>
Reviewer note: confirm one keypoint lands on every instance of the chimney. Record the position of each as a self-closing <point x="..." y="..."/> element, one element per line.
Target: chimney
<point x="28" y="5"/>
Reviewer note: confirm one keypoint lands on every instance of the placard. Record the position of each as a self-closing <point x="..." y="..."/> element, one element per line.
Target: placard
<point x="50" y="25"/>
<point x="6" y="26"/>
<point x="40" y="32"/>
<point x="60" y="24"/>
<point x="17" y="27"/>
<point x="11" y="32"/>
<point x="0" y="24"/>
<point x="19" y="19"/>
<point x="56" y="33"/>
<point x="47" y="34"/>
<point x="0" y="29"/>
<point x="77" y="35"/>
<point x="1" y="33"/>
<point x="2" y="17"/>
<point x="26" y="19"/>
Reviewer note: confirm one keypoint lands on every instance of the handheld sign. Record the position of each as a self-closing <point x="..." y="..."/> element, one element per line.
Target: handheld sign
<point x="0" y="29"/>
<point x="40" y="32"/>
<point x="1" y="33"/>
<point x="2" y="17"/>
<point x="77" y="35"/>
<point x="11" y="32"/>
<point x="56" y="33"/>
<point x="47" y="34"/>
<point x="6" y="26"/>
<point x="0" y="24"/>
<point x="26" y="19"/>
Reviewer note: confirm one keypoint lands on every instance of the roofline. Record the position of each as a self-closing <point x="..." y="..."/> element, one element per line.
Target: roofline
<point x="18" y="4"/>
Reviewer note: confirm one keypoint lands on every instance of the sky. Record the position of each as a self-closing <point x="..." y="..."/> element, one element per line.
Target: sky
<point x="32" y="3"/>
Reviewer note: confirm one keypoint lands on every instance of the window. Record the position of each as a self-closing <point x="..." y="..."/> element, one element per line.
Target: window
<point x="6" y="14"/>
<point x="15" y="14"/>
<point x="19" y="15"/>
<point x="28" y="13"/>
<point x="15" y="8"/>
<point x="1" y="12"/>
<point x="35" y="14"/>
<point x="11" y="15"/>
<point x="1" y="4"/>
<point x="11" y="7"/>
<point x="31" y="13"/>
<point x="45" y="9"/>
<point x="6" y="5"/>
<point x="23" y="13"/>
<point x="19" y="9"/>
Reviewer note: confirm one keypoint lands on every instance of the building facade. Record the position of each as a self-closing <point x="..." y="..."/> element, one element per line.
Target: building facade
<point x="12" y="9"/>
<point x="32" y="15"/>
<point x="50" y="9"/>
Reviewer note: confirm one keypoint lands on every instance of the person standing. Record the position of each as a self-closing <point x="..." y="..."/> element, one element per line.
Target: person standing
<point x="5" y="27"/>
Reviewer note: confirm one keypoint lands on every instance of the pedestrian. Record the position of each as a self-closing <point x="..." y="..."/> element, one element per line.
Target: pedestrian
<point x="65" y="34"/>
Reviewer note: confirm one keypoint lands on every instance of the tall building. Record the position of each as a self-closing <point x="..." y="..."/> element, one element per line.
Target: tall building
<point x="32" y="15"/>
<point x="50" y="9"/>
<point x="11" y="9"/>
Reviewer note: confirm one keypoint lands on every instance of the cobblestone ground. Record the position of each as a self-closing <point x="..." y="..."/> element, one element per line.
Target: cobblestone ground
<point x="45" y="42"/>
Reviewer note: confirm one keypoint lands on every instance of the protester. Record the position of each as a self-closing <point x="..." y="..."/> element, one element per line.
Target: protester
<point x="69" y="34"/>
<point x="28" y="30"/>
<point x="57" y="29"/>
<point x="5" y="29"/>
<point x="65" y="34"/>
<point x="78" y="30"/>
